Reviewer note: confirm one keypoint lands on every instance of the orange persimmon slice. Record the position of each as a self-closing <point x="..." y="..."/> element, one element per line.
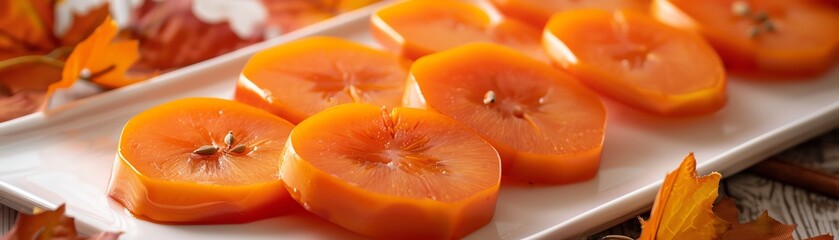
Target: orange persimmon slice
<point x="546" y="126"/>
<point x="773" y="39"/>
<point x="537" y="12"/>
<point x="401" y="173"/>
<point x="419" y="27"/>
<point x="177" y="164"/>
<point x="641" y="62"/>
<point x="301" y="78"/>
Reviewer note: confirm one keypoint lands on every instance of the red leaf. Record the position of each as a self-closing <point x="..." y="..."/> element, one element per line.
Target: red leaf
<point x="49" y="225"/>
<point x="172" y="36"/>
<point x="26" y="27"/>
<point x="762" y="228"/>
<point x="83" y="25"/>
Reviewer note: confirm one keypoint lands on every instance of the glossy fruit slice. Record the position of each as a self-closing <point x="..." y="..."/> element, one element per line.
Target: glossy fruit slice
<point x="417" y="28"/>
<point x="537" y="12"/>
<point x="401" y="173"/>
<point x="301" y="78"/>
<point x="547" y="127"/>
<point x="643" y="63"/>
<point x="176" y="163"/>
<point x="765" y="38"/>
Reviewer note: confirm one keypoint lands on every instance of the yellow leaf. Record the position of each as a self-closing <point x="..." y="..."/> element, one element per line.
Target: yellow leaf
<point x="683" y="206"/>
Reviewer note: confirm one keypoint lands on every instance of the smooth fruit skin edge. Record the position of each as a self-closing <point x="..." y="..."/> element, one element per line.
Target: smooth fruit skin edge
<point x="746" y="60"/>
<point x="373" y="214"/>
<point x="248" y="93"/>
<point x="149" y="199"/>
<point x="536" y="15"/>
<point x="392" y="40"/>
<point x="193" y="203"/>
<point x="517" y="10"/>
<point x="526" y="166"/>
<point x="700" y="102"/>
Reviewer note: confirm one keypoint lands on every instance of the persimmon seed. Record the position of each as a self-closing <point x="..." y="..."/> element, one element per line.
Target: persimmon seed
<point x="228" y="139"/>
<point x="740" y="8"/>
<point x="761" y="17"/>
<point x="769" y="26"/>
<point x="238" y="149"/>
<point x="206" y="150"/>
<point x="85" y="73"/>
<point x="489" y="97"/>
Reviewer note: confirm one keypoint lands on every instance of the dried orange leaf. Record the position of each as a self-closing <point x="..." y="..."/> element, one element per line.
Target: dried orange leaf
<point x="822" y="237"/>
<point x="762" y="228"/>
<point x="172" y="36"/>
<point x="30" y="76"/>
<point x="98" y="59"/>
<point x="726" y="209"/>
<point x="49" y="225"/>
<point x="682" y="209"/>
<point x="78" y="19"/>
<point x="19" y="104"/>
<point x="26" y="27"/>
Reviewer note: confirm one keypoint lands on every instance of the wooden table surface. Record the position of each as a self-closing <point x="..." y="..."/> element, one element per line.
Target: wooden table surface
<point x="815" y="214"/>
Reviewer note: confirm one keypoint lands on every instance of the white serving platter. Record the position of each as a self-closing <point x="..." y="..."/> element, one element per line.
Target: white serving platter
<point x="66" y="155"/>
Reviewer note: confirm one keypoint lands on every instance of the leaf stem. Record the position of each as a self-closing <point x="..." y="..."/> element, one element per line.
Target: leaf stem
<point x="61" y="52"/>
<point x="11" y="62"/>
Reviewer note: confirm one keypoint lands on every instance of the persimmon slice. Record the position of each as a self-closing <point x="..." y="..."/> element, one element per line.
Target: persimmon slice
<point x="401" y="173"/>
<point x="537" y="12"/>
<point x="418" y="28"/>
<point x="161" y="173"/>
<point x="641" y="62"/>
<point x="301" y="78"/>
<point x="771" y="39"/>
<point x="547" y="127"/>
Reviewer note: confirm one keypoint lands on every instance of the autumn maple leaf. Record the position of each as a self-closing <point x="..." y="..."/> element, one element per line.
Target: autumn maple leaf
<point x="290" y="15"/>
<point x="50" y="225"/>
<point x="28" y="26"/>
<point x="98" y="59"/>
<point x="35" y="37"/>
<point x="172" y="35"/>
<point x="762" y="228"/>
<point x="682" y="208"/>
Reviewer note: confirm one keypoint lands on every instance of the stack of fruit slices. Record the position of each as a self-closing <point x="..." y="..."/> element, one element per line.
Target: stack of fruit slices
<point x="391" y="148"/>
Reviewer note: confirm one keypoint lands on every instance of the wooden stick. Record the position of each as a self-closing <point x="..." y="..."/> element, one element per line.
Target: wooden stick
<point x="799" y="176"/>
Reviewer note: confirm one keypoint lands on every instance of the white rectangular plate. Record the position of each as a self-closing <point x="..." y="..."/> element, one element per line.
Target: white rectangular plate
<point x="66" y="155"/>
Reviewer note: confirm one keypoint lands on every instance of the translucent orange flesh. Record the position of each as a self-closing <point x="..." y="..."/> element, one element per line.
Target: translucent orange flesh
<point x="804" y="42"/>
<point x="537" y="12"/>
<point x="546" y="126"/>
<point x="301" y="78"/>
<point x="158" y="177"/>
<point x="418" y="28"/>
<point x="638" y="61"/>
<point x="405" y="173"/>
